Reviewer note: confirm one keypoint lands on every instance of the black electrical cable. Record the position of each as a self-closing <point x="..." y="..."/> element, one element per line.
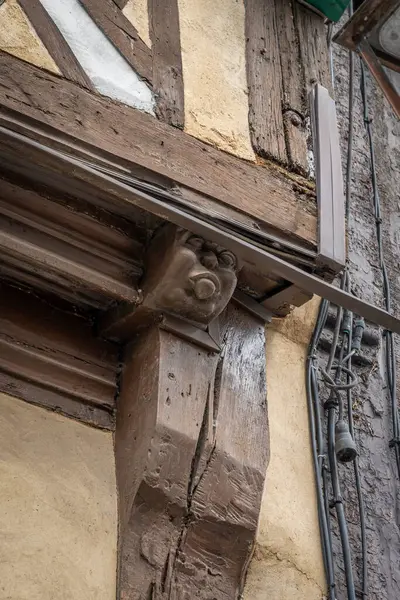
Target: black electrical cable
<point x="360" y="498"/>
<point x="390" y="359"/>
<point x="344" y="364"/>
<point x="317" y="447"/>
<point x="333" y="401"/>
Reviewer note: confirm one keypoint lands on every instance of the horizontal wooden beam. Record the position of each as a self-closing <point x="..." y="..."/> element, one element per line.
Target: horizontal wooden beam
<point x="259" y="258"/>
<point x="70" y="252"/>
<point x="50" y="357"/>
<point x="281" y="201"/>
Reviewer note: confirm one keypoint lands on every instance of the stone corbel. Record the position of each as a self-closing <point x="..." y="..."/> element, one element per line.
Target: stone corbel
<point x="188" y="282"/>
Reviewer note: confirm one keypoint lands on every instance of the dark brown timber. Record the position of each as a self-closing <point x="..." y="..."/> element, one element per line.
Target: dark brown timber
<point x="48" y="356"/>
<point x="263" y="192"/>
<point x="92" y="259"/>
<point x="191" y="457"/>
<point x="264" y="77"/>
<point x="56" y="45"/>
<point x="293" y="87"/>
<point x="314" y="53"/>
<point x="167" y="61"/>
<point x="258" y="258"/>
<point x="122" y="34"/>
<point x="121" y="3"/>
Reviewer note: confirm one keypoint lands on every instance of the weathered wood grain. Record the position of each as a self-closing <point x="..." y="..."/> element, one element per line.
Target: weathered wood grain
<point x="293" y="87"/>
<point x="262" y="192"/>
<point x="228" y="481"/>
<point x="122" y="34"/>
<point x="67" y="248"/>
<point x="121" y="3"/>
<point x="167" y="61"/>
<point x="264" y="77"/>
<point x="56" y="45"/>
<point x="314" y="51"/>
<point x="192" y="449"/>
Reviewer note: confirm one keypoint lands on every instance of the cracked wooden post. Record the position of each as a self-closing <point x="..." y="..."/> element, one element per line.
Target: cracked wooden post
<point x="191" y="442"/>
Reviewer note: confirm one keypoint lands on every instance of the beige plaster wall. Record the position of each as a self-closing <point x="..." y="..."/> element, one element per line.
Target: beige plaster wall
<point x="214" y="73"/>
<point x="18" y="37"/>
<point x="287" y="562"/>
<point x="136" y="11"/>
<point x="58" y="507"/>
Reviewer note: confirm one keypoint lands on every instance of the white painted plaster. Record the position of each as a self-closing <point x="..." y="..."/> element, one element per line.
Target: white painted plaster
<point x="108" y="70"/>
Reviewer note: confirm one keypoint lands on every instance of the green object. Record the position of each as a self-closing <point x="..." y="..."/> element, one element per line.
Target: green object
<point x="331" y="9"/>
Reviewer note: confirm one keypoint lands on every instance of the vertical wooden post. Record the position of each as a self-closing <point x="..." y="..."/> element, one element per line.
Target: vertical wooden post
<point x="191" y="447"/>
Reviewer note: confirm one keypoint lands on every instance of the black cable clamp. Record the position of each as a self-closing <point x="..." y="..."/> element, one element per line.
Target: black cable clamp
<point x="332" y="402"/>
<point x="394" y="442"/>
<point x="359" y="326"/>
<point x="335" y="501"/>
<point x="347" y="321"/>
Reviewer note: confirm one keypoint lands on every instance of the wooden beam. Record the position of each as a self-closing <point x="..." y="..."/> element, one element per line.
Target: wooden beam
<point x="71" y="251"/>
<point x="266" y="193"/>
<point x="293" y="88"/>
<point x="167" y="61"/>
<point x="314" y="53"/>
<point x="55" y="43"/>
<point x="49" y="357"/>
<point x="122" y="34"/>
<point x="264" y="77"/>
<point x="121" y="3"/>
<point x="191" y="456"/>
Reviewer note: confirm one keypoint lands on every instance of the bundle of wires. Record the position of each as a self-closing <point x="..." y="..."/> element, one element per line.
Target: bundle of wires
<point x="338" y="379"/>
<point x="326" y="454"/>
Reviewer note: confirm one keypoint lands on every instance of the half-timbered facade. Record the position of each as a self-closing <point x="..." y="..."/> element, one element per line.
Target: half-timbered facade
<point x="159" y="230"/>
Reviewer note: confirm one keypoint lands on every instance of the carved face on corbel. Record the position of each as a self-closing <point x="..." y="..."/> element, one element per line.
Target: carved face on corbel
<point x="188" y="276"/>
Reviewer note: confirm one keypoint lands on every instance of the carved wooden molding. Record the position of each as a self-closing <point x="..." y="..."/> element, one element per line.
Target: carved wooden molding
<point x="191" y="452"/>
<point x="89" y="257"/>
<point x="50" y="357"/>
<point x="185" y="277"/>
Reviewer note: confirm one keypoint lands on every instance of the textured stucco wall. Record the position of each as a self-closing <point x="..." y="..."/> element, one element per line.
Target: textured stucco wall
<point x="287" y="561"/>
<point x="373" y="429"/>
<point x="136" y="11"/>
<point x="214" y="73"/>
<point x="18" y="37"/>
<point x="58" y="507"/>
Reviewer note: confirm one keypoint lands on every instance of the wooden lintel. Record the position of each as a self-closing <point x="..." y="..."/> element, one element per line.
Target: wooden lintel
<point x="88" y="258"/>
<point x="132" y="137"/>
<point x="49" y="356"/>
<point x="281" y="302"/>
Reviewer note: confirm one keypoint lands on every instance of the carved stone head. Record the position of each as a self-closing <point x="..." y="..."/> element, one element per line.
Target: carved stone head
<point x="187" y="276"/>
